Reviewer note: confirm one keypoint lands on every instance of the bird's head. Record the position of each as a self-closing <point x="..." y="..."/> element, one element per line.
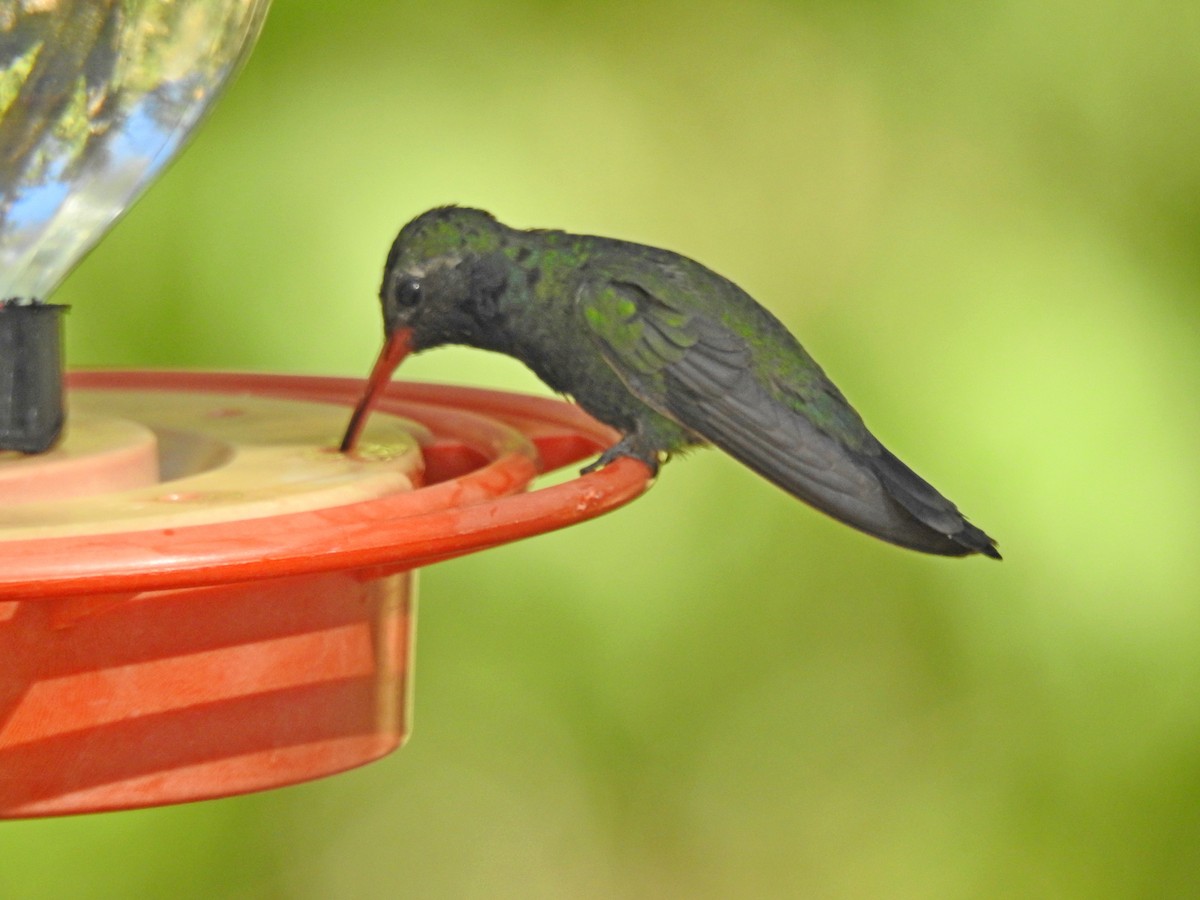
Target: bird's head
<point x="442" y="284"/>
<point x="444" y="277"/>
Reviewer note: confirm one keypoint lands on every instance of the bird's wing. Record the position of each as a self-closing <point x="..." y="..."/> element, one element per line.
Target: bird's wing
<point x="690" y="367"/>
<point x="768" y="405"/>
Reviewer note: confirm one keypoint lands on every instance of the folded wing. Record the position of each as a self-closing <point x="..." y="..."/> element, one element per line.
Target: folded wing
<point x="798" y="432"/>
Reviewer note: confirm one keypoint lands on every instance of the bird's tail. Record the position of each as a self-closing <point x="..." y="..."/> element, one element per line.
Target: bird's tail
<point x="920" y="500"/>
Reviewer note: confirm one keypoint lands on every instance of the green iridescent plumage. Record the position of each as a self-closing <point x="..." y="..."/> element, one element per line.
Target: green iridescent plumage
<point x="666" y="351"/>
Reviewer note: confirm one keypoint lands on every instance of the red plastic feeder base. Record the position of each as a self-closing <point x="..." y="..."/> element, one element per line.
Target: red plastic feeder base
<point x="200" y="597"/>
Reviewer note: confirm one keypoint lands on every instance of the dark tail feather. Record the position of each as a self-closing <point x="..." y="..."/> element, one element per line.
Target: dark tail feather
<point x="920" y="500"/>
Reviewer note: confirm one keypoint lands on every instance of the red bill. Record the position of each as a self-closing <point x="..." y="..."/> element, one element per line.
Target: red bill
<point x="397" y="346"/>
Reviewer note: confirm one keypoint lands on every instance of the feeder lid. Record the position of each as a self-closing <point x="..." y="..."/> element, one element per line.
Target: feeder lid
<point x="170" y="479"/>
<point x="139" y="460"/>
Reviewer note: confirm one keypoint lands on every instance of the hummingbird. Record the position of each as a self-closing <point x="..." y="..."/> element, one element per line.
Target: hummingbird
<point x="664" y="350"/>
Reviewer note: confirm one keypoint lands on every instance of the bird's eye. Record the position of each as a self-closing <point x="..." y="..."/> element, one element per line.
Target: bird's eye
<point x="407" y="293"/>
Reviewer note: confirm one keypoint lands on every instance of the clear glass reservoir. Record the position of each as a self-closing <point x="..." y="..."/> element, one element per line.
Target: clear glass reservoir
<point x="96" y="97"/>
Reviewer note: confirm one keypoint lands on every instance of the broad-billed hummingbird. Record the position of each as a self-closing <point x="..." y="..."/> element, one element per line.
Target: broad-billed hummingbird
<point x="664" y="350"/>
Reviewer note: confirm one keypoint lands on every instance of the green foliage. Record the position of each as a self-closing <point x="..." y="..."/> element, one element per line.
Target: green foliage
<point x="980" y="219"/>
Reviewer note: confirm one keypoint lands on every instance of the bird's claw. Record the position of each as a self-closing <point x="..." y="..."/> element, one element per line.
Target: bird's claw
<point x="623" y="447"/>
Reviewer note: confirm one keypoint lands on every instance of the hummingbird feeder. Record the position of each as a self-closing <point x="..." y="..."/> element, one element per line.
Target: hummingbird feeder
<point x="199" y="595"/>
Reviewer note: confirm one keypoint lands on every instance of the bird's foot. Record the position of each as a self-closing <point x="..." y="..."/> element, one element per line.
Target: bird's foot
<point x="627" y="446"/>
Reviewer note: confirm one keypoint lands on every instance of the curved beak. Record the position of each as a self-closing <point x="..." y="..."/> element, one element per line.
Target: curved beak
<point x="396" y="346"/>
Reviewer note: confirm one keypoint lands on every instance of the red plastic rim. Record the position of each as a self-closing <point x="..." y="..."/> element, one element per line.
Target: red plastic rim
<point x="487" y="447"/>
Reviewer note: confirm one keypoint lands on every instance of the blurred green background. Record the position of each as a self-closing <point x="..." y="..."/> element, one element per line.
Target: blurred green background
<point x="984" y="221"/>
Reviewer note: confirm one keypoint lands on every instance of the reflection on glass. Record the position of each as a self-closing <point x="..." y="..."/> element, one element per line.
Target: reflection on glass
<point x="96" y="96"/>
